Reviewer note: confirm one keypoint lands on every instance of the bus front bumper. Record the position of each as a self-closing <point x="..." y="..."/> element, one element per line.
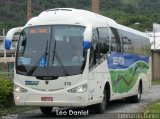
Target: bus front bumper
<point x="58" y="100"/>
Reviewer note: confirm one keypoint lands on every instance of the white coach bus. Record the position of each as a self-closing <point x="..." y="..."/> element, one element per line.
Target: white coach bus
<point x="75" y="58"/>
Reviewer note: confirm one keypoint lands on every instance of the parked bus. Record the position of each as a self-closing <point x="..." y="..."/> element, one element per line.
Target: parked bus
<point x="75" y="58"/>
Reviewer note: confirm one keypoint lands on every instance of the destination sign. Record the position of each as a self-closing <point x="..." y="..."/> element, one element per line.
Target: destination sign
<point x="39" y="30"/>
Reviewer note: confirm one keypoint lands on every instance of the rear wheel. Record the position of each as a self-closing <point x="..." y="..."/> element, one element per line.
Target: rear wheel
<point x="136" y="98"/>
<point x="46" y="110"/>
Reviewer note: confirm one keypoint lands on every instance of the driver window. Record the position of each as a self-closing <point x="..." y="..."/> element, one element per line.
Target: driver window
<point x="94" y="49"/>
<point x="115" y="40"/>
<point x="22" y="43"/>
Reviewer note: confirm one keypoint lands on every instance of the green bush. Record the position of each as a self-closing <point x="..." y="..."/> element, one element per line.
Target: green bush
<point x="6" y="95"/>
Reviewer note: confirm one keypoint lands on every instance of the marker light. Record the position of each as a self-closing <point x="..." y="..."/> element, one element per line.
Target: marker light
<point x="19" y="89"/>
<point x="79" y="89"/>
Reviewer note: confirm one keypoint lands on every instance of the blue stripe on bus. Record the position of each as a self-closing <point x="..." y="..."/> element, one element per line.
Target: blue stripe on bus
<point x="123" y="60"/>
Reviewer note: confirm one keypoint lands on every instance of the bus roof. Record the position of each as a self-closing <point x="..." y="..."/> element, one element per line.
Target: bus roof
<point x="77" y="17"/>
<point x="70" y="16"/>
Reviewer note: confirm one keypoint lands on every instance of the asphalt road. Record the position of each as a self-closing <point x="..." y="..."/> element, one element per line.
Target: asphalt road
<point x="115" y="110"/>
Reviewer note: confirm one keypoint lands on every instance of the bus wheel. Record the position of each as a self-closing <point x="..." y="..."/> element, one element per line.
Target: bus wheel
<point x="101" y="107"/>
<point x="46" y="110"/>
<point x="137" y="98"/>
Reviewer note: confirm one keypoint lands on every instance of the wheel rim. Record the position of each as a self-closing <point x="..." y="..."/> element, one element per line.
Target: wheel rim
<point x="139" y="92"/>
<point x="104" y="102"/>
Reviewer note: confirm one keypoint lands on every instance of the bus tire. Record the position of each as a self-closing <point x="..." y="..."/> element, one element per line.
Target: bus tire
<point x="101" y="107"/>
<point x="136" y="98"/>
<point x="46" y="110"/>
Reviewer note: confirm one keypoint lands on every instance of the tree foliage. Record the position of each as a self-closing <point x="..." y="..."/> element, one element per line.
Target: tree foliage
<point x="126" y="12"/>
<point x="6" y="96"/>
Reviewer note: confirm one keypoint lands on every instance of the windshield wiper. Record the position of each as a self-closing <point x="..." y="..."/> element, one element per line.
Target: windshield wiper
<point x="54" y="51"/>
<point x="44" y="55"/>
<point x="59" y="60"/>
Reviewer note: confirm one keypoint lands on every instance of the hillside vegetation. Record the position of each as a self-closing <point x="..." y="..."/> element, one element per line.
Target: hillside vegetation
<point x="126" y="12"/>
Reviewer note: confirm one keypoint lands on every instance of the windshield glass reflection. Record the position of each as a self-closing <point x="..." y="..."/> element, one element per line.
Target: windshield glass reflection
<point x="51" y="50"/>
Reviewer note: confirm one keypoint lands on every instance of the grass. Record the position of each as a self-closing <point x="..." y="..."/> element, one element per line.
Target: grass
<point x="155" y="82"/>
<point x="153" y="108"/>
<point x="15" y="109"/>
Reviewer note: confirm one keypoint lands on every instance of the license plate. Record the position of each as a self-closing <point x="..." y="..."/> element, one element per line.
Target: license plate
<point x="46" y="98"/>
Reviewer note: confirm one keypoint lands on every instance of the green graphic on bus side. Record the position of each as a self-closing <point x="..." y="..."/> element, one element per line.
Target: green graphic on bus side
<point x="124" y="80"/>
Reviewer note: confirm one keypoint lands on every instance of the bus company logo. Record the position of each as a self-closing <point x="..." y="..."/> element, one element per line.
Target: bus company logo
<point x="31" y="82"/>
<point x="118" y="60"/>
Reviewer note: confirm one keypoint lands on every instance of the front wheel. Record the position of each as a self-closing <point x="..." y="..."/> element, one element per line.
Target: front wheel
<point x="101" y="107"/>
<point x="46" y="110"/>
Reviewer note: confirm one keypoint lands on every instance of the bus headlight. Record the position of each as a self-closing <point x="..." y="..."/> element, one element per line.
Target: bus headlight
<point x="79" y="89"/>
<point x="19" y="89"/>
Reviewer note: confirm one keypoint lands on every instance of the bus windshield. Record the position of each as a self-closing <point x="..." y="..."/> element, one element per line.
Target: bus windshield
<point x="51" y="51"/>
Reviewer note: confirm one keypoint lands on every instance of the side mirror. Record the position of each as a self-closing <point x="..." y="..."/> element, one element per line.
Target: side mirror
<point x="9" y="36"/>
<point x="87" y="37"/>
<point x="7" y="44"/>
<point x="86" y="44"/>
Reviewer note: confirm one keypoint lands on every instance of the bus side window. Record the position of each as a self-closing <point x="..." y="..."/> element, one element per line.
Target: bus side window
<point x="137" y="44"/>
<point x="127" y="42"/>
<point x="94" y="49"/>
<point x="146" y="47"/>
<point x="113" y="44"/>
<point x="115" y="40"/>
<point x="103" y="40"/>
